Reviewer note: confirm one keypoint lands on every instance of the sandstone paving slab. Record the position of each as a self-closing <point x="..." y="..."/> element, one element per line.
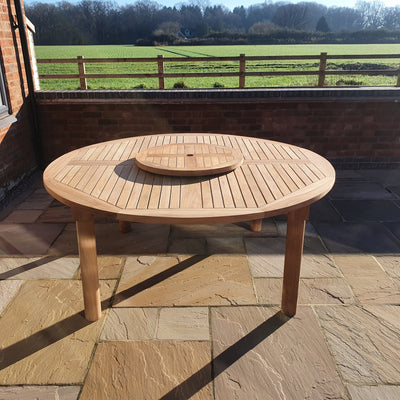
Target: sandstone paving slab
<point x="322" y="210"/>
<point x="130" y="324"/>
<point x="39" y="392"/>
<point x="150" y="370"/>
<point x="238" y="229"/>
<point x="395" y="189"/>
<point x="22" y="217"/>
<point x="365" y="342"/>
<point x="187" y="246"/>
<point x="38" y="267"/>
<point x="57" y="212"/>
<point x="367" y="210"/>
<point x="359" y="190"/>
<point x="8" y="290"/>
<point x="381" y="392"/>
<point x="311" y="291"/>
<point x="142" y="239"/>
<point x="394" y="227"/>
<point x="266" y="258"/>
<point x="187" y="323"/>
<point x="195" y="281"/>
<point x="390" y="263"/>
<point x="352" y="237"/>
<point x="368" y="280"/>
<point x="27" y="239"/>
<point x="225" y="245"/>
<point x="45" y="338"/>
<point x="37" y="201"/>
<point x="109" y="267"/>
<point x="260" y="354"/>
<point x="349" y="174"/>
<point x="386" y="177"/>
<point x="281" y="226"/>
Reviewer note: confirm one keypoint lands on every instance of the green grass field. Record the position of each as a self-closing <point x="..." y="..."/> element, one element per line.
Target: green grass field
<point x="128" y="51"/>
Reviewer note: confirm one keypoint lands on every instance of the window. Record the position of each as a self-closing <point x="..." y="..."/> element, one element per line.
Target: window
<point x="3" y="97"/>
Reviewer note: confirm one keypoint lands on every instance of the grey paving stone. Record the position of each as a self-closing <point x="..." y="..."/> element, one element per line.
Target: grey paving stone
<point x="360" y="190"/>
<point x="349" y="237"/>
<point x="368" y="210"/>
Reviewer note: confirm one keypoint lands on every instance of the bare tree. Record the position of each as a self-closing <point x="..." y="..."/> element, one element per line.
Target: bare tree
<point x="292" y="16"/>
<point x="372" y="13"/>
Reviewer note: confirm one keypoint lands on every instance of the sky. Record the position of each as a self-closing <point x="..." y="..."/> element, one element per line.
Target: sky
<point x="231" y="4"/>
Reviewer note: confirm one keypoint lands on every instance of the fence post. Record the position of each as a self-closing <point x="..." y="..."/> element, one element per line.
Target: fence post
<point x="242" y="71"/>
<point x="398" y="77"/>
<point x="82" y="71"/>
<point x="160" y="61"/>
<point x="322" y="68"/>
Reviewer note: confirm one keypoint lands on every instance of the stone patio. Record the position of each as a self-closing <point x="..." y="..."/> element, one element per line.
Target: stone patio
<point x="193" y="311"/>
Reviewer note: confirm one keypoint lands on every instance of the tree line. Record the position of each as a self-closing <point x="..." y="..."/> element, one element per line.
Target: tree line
<point x="146" y="22"/>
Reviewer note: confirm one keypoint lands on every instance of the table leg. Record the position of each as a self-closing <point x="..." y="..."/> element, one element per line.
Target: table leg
<point x="256" y="225"/>
<point x="296" y="223"/>
<point x="88" y="261"/>
<point x="125" y="226"/>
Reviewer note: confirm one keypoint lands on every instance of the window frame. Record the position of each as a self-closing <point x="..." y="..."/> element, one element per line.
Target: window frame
<point x="4" y="108"/>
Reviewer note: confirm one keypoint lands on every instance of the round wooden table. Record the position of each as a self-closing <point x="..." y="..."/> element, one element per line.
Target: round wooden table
<point x="259" y="178"/>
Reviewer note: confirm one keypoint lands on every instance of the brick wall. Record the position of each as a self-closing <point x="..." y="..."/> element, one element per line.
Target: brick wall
<point x="16" y="151"/>
<point x="351" y="128"/>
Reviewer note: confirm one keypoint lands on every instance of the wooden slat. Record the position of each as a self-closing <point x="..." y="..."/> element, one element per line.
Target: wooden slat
<point x="216" y="193"/>
<point x="244" y="188"/>
<point x="104" y="175"/>
<point x="165" y="195"/>
<point x="293" y="176"/>
<point x="127" y="189"/>
<point x="109" y="186"/>
<point x="207" y="201"/>
<point x="273" y="187"/>
<point x="190" y="194"/>
<point x="255" y="190"/>
<point x="236" y="190"/>
<point x="268" y="196"/>
<point x="86" y="178"/>
<point x="301" y="174"/>
<point x="154" y="200"/>
<point x="78" y="176"/>
<point x="70" y="174"/>
<point x="146" y="192"/>
<point x="175" y="201"/>
<point x="278" y="179"/>
<point x="226" y="192"/>
<point x="136" y="191"/>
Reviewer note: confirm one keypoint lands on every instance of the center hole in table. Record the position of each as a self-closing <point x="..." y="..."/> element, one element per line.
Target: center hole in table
<point x="189" y="155"/>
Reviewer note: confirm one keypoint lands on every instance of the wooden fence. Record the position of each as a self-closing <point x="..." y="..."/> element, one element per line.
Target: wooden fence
<point x="322" y="72"/>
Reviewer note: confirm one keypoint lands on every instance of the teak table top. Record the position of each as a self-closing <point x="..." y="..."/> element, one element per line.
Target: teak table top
<point x="104" y="179"/>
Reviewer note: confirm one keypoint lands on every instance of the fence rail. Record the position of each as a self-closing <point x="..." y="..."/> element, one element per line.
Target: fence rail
<point x="242" y="73"/>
